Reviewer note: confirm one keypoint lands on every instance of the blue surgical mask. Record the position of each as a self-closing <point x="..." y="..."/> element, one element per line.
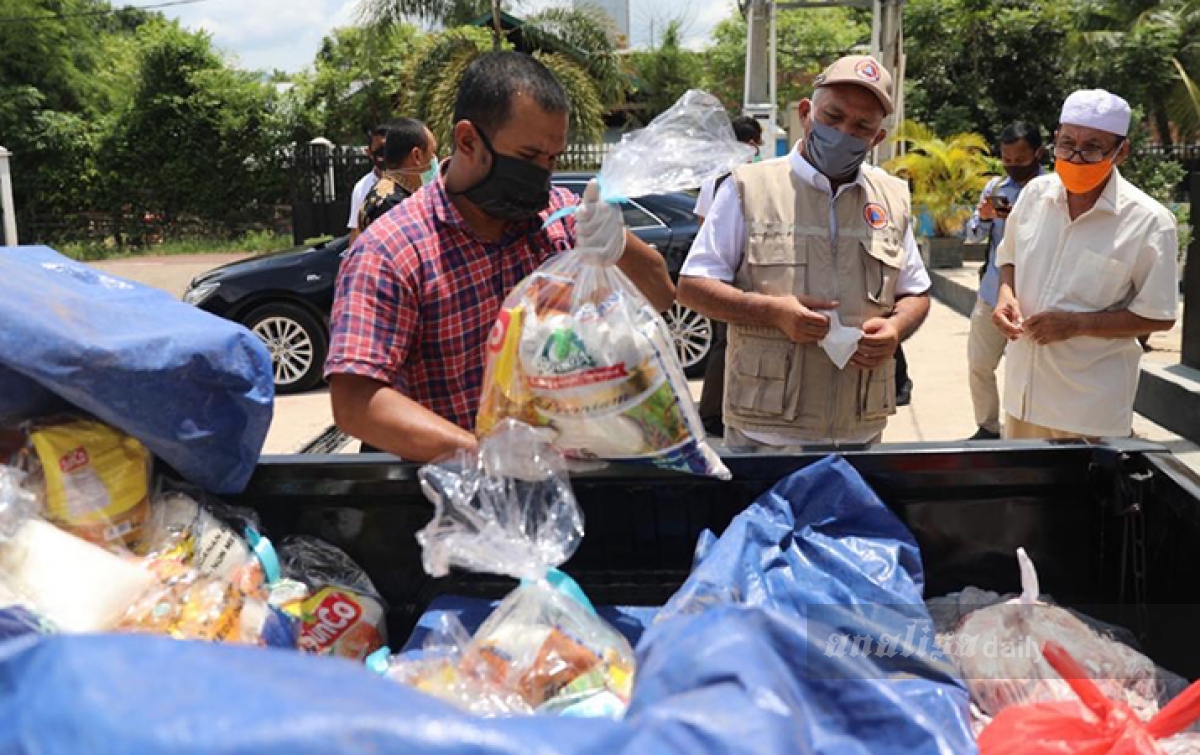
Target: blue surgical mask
<point x="430" y="175"/>
<point x="835" y="154"/>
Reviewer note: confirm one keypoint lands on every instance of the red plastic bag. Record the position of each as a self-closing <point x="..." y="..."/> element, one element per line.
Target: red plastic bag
<point x="1093" y="725"/>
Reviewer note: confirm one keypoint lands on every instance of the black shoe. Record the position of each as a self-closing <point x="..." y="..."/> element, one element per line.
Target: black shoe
<point x="904" y="394"/>
<point x="985" y="434"/>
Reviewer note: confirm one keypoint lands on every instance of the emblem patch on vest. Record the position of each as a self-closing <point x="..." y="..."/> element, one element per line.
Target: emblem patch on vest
<point x="875" y="215"/>
<point x="867" y="70"/>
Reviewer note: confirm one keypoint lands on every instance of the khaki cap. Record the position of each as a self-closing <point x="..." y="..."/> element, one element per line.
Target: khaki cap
<point x="863" y="71"/>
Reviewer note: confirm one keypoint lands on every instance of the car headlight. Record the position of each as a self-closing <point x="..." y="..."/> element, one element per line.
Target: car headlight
<point x="197" y="294"/>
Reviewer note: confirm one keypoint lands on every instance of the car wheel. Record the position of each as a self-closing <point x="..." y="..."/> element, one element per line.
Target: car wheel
<point x="692" y="333"/>
<point x="297" y="342"/>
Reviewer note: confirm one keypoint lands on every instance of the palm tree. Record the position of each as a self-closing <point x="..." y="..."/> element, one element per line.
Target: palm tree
<point x="1150" y="46"/>
<point x="587" y="36"/>
<point x="947" y="175"/>
<point x="382" y="13"/>
<point x="584" y="32"/>
<point x="429" y="83"/>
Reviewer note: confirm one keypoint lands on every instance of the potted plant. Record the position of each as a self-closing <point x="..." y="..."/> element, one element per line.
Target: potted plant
<point x="946" y="176"/>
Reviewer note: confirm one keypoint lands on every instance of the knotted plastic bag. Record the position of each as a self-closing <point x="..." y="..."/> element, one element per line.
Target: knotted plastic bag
<point x="997" y="650"/>
<point x="576" y="346"/>
<point x="1091" y="723"/>
<point x="508" y="509"/>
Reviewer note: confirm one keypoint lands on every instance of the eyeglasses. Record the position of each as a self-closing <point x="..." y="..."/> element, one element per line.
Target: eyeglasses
<point x="1068" y="151"/>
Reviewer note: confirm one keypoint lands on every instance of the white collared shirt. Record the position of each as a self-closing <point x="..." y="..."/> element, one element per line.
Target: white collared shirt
<point x="1119" y="255"/>
<point x="359" y="195"/>
<point x="704" y="201"/>
<point x="720" y="246"/>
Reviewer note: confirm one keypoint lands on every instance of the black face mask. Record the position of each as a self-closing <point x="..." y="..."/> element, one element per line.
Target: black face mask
<point x="513" y="189"/>
<point x="1022" y="174"/>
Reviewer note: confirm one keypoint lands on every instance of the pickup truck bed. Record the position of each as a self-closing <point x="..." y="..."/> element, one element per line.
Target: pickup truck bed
<point x="1114" y="528"/>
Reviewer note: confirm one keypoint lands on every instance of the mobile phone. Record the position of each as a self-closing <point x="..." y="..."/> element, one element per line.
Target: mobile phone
<point x="1001" y="202"/>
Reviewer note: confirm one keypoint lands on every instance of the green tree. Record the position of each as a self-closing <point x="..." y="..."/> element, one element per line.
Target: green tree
<point x="663" y="74"/>
<point x="587" y="36"/>
<point x="977" y="65"/>
<point x="60" y="78"/>
<point x="351" y="85"/>
<point x="384" y="13"/>
<point x="430" y="80"/>
<point x="808" y="41"/>
<point x="196" y="138"/>
<point x="947" y="175"/>
<point x="1146" y="51"/>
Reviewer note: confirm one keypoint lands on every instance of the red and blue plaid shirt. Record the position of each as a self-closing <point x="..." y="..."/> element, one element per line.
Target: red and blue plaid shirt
<point x="418" y="294"/>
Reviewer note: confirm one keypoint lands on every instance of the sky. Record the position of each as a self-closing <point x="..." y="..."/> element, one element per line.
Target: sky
<point x="285" y="34"/>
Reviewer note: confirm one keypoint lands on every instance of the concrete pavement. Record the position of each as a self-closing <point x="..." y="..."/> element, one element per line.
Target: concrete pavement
<point x="939" y="350"/>
<point x="171" y="274"/>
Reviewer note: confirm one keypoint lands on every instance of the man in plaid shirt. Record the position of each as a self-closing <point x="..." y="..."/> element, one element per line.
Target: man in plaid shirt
<point x="420" y="290"/>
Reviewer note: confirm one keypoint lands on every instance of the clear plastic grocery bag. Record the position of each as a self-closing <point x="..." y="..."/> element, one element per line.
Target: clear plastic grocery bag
<point x="340" y="611"/>
<point x="437" y="669"/>
<point x="577" y="348"/>
<point x="997" y="650"/>
<point x="71" y="584"/>
<point x="508" y="509"/>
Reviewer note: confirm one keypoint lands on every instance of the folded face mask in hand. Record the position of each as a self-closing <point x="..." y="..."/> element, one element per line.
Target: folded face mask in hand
<point x="841" y="342"/>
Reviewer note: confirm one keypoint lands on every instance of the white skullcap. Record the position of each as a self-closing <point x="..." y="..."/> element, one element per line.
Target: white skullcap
<point x="1098" y="109"/>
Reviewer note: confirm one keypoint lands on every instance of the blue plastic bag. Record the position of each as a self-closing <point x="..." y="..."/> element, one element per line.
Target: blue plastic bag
<point x="732" y="665"/>
<point x="195" y="389"/>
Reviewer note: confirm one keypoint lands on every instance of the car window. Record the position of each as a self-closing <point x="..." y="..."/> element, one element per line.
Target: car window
<point x="636" y="217"/>
<point x="671" y="209"/>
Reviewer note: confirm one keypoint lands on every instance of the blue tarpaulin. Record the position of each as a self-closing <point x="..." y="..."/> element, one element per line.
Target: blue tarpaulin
<point x="737" y="662"/>
<point x="196" y="389"/>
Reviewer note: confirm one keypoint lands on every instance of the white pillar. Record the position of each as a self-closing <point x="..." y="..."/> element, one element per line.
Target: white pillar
<point x="324" y="148"/>
<point x="7" y="208"/>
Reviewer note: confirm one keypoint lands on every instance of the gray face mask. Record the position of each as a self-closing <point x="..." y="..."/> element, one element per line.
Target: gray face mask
<point x="833" y="153"/>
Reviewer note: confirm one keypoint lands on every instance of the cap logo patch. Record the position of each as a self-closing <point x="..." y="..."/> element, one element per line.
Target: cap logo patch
<point x="875" y="215"/>
<point x="867" y="70"/>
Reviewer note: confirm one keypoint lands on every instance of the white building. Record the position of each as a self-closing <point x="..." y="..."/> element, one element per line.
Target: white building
<point x="617" y="10"/>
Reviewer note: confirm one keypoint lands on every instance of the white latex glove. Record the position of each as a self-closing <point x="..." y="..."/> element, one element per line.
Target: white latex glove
<point x="841" y="342"/>
<point x="599" y="228"/>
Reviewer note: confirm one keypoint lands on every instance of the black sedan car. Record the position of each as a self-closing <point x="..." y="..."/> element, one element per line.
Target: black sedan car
<point x="285" y="298"/>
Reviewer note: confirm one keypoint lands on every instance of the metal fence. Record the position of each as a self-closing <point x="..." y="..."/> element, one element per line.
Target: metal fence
<point x="1187" y="154"/>
<point x="583" y="157"/>
<point x="323" y="179"/>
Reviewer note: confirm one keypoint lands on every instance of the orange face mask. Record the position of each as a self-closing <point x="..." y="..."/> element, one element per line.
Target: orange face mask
<point x="1080" y="179"/>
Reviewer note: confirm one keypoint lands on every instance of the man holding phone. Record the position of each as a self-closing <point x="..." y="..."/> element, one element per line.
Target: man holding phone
<point x="1021" y="152"/>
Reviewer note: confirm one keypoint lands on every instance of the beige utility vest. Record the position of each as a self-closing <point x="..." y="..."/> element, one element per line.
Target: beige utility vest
<point x="773" y="385"/>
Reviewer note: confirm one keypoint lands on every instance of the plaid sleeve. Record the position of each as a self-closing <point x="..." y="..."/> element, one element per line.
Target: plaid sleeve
<point x="375" y="315"/>
<point x="560" y="198"/>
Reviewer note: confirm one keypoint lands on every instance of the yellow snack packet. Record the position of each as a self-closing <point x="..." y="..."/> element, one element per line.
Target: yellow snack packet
<point x="97" y="480"/>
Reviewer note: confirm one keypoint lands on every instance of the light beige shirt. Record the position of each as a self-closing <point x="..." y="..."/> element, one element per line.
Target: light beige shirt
<point x="1121" y="254"/>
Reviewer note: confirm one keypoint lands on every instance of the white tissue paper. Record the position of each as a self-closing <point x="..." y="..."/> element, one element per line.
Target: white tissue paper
<point x="841" y="342"/>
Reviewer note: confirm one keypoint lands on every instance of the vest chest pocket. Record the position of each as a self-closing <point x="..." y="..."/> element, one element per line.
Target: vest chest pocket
<point x="777" y="263"/>
<point x="883" y="257"/>
<point x="759" y="383"/>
